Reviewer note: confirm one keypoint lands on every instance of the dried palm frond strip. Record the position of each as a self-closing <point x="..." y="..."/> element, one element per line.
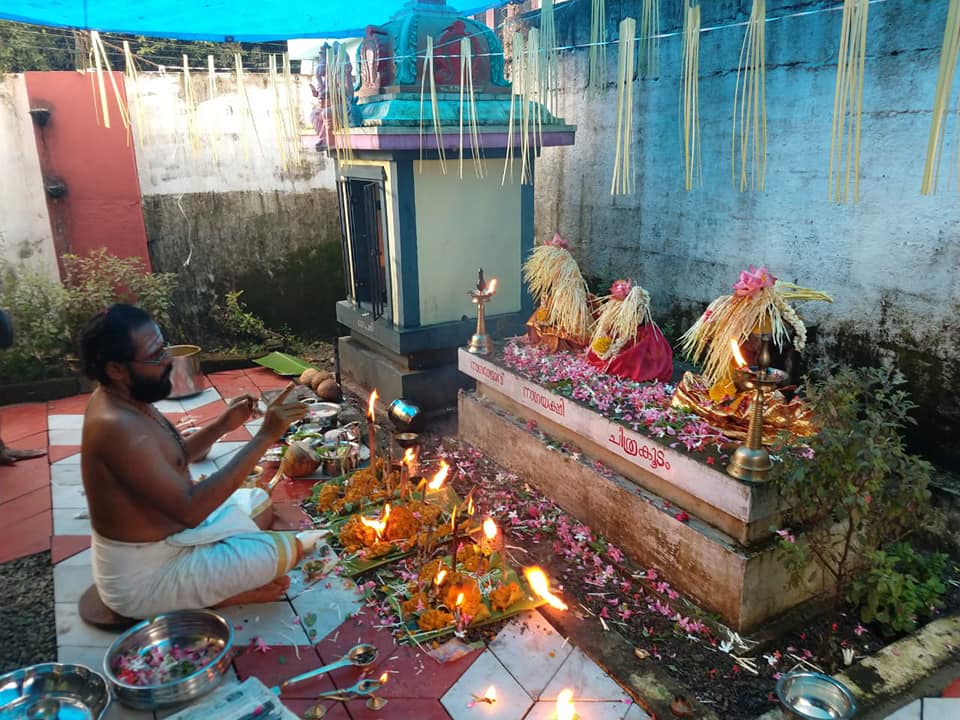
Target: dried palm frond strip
<point x="649" y="46"/>
<point x="132" y="87"/>
<point x="941" y="98"/>
<point x="549" y="66"/>
<point x="468" y="106"/>
<point x="622" y="183"/>
<point x="598" y="49"/>
<point x="340" y="84"/>
<point x="848" y="103"/>
<point x="434" y="107"/>
<point x="748" y="144"/>
<point x="690" y="98"/>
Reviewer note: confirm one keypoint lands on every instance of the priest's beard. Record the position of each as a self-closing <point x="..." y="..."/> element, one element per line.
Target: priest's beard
<point x="150" y="390"/>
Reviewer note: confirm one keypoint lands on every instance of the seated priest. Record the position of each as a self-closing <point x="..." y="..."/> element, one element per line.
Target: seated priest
<point x="160" y="541"/>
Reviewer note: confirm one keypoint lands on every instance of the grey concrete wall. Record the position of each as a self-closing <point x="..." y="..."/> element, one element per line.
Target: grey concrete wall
<point x="890" y="261"/>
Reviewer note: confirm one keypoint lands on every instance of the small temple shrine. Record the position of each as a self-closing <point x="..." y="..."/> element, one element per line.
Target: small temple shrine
<point x="431" y="190"/>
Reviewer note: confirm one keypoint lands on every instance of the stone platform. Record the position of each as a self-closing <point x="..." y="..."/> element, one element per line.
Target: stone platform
<point x="723" y="557"/>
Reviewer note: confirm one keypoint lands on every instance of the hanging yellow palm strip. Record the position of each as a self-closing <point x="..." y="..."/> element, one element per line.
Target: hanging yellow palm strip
<point x="941" y="98"/>
<point x="531" y="120"/>
<point x="277" y="111"/>
<point x="649" y="47"/>
<point x="340" y="97"/>
<point x="748" y="145"/>
<point x="132" y="86"/>
<point x="242" y="109"/>
<point x="468" y="105"/>
<point x="622" y="183"/>
<point x="516" y="82"/>
<point x="292" y="115"/>
<point x="190" y="108"/>
<point x="848" y="103"/>
<point x="550" y="63"/>
<point x="434" y="107"/>
<point x="690" y="98"/>
<point x="214" y="130"/>
<point x="104" y="106"/>
<point x="598" y="49"/>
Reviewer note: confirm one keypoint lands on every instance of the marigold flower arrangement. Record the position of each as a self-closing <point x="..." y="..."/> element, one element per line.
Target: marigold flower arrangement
<point x="759" y="303"/>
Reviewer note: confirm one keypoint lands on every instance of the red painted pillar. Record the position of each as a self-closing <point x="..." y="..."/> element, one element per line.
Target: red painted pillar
<point x="100" y="206"/>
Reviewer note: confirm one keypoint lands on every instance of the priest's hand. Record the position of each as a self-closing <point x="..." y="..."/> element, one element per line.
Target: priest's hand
<point x="280" y="414"/>
<point x="239" y="410"/>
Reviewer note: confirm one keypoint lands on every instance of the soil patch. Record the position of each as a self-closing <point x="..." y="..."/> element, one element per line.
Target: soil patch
<point x="27" y="623"/>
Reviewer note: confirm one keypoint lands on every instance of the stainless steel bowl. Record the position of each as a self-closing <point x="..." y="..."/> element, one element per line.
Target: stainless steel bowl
<point x="184" y="627"/>
<point x="55" y="689"/>
<point x="812" y="696"/>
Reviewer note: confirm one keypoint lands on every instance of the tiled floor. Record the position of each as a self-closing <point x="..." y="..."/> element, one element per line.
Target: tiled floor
<point x="528" y="663"/>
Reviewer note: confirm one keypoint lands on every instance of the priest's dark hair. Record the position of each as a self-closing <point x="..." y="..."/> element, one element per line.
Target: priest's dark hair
<point x="107" y="338"/>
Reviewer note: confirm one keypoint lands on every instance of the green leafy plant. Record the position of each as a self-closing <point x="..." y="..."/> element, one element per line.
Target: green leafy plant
<point x="853" y="487"/>
<point x="900" y="587"/>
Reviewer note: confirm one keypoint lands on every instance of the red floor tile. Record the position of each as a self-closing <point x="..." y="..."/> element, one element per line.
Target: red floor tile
<point x="34" y="440"/>
<point x="27" y="537"/>
<point x="421" y="709"/>
<point x="75" y="405"/>
<point x="59" y="452"/>
<point x="289" y="491"/>
<point x="335" y="710"/>
<point x="289" y="516"/>
<point x="280" y="663"/>
<point x="19" y="421"/>
<point x="418" y="675"/>
<point x="224" y="374"/>
<point x="355" y="631"/>
<point x="66" y="546"/>
<point x="24" y="507"/>
<point x="241" y="434"/>
<point x="953" y="689"/>
<point x="23" y="477"/>
<point x="234" y="388"/>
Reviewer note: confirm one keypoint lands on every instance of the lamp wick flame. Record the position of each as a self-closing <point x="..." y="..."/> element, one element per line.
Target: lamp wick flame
<point x="537" y="580"/>
<point x="378" y="525"/>
<point x="737" y="355"/>
<point x="565" y="707"/>
<point x="440" y="477"/>
<point x="409" y="456"/>
<point x="372" y="405"/>
<point x="492" y="286"/>
<point x="489" y="529"/>
<point x="383" y="678"/>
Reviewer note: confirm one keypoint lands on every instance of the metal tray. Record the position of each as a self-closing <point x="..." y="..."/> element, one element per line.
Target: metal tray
<point x="53" y="691"/>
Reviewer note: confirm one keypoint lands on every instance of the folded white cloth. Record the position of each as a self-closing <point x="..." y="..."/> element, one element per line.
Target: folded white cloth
<point x="198" y="567"/>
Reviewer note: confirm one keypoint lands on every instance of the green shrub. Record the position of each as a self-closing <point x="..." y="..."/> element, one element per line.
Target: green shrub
<point x="854" y="487"/>
<point x="901" y="587"/>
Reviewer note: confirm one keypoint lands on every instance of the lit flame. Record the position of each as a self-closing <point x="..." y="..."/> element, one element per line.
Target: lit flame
<point x="378" y="525"/>
<point x="541" y="586"/>
<point x="737" y="355"/>
<point x="459" y="601"/>
<point x="470" y="508"/>
<point x="453" y="519"/>
<point x="439" y="578"/>
<point x="492" y="286"/>
<point x="409" y="457"/>
<point x="372" y="405"/>
<point x="489" y="529"/>
<point x="491" y="694"/>
<point x="385" y="677"/>
<point x="440" y="477"/>
<point x="565" y="707"/>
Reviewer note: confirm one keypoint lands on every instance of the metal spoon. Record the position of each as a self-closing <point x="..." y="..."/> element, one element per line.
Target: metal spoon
<point x="361" y="655"/>
<point x="367" y="686"/>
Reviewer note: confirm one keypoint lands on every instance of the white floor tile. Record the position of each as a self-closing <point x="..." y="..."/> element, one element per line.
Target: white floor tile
<point x="116" y="711"/>
<point x="323" y="609"/>
<point x="66" y="462"/>
<point x="70" y="582"/>
<point x="65" y="437"/>
<point x="81" y="558"/>
<point x="512" y="701"/>
<point x="254" y="426"/>
<point x="68" y="497"/>
<point x="92" y="657"/>
<point x="273" y="622"/>
<point x="583" y="709"/>
<point x="941" y="708"/>
<point x="197" y="401"/>
<point x="221" y="451"/>
<point x="205" y="467"/>
<point x="64" y="422"/>
<point x="908" y="712"/>
<point x="169" y="406"/>
<point x="636" y="713"/>
<point x="529" y="636"/>
<point x="66" y="522"/>
<point x="73" y="631"/>
<point x="63" y="473"/>
<point x="587" y="680"/>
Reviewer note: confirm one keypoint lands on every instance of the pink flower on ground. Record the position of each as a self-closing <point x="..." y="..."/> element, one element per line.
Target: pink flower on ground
<point x="259" y="645"/>
<point x="787" y="536"/>
<point x="859" y="630"/>
<point x="752" y="281"/>
<point x="682" y="516"/>
<point x="620" y="289"/>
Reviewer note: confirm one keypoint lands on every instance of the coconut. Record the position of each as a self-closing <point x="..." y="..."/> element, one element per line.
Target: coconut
<point x="328" y="390"/>
<point x="299" y="460"/>
<point x="319" y="378"/>
<point x="308" y="376"/>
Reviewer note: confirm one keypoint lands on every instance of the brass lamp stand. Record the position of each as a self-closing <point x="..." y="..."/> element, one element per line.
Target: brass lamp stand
<point x="751" y="461"/>
<point x="480" y="343"/>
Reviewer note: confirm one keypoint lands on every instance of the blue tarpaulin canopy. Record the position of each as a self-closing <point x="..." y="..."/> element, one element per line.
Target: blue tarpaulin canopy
<point x="232" y="20"/>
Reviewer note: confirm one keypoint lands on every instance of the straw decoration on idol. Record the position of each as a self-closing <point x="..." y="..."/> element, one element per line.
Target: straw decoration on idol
<point x="748" y="142"/>
<point x="759" y="303"/>
<point x="555" y="281"/>
<point x="598" y="47"/>
<point x="468" y="101"/>
<point x="622" y="182"/>
<point x="941" y="98"/>
<point x="690" y="98"/>
<point x="648" y="55"/>
<point x="624" y="312"/>
<point x="848" y="103"/>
